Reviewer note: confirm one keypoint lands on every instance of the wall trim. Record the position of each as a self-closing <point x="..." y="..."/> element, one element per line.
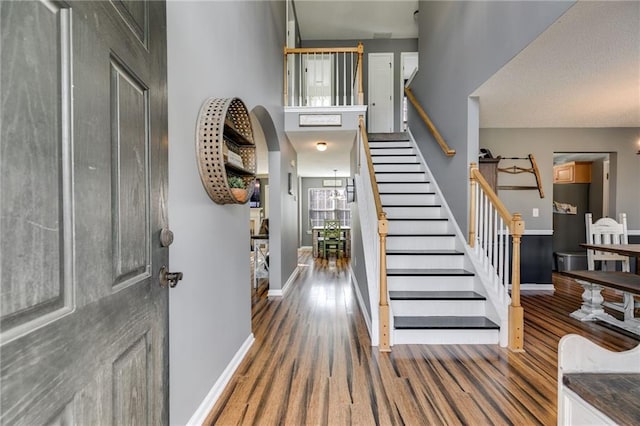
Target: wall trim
<point x="281" y="291"/>
<point x="538" y="232"/>
<point x="536" y="287"/>
<point x="363" y="309"/>
<point x="210" y="400"/>
<point x="633" y="232"/>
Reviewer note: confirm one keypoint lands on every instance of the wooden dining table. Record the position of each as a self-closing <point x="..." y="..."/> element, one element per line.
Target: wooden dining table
<point x="594" y="281"/>
<point x="631" y="250"/>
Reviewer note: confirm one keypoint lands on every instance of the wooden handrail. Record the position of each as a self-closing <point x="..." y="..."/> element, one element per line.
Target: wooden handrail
<point x="383" y="230"/>
<point x="516" y="229"/>
<point x="288" y="50"/>
<point x="474" y="173"/>
<point x="432" y="128"/>
<point x="374" y="183"/>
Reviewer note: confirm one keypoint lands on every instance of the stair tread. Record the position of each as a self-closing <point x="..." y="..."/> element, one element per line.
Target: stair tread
<point x="391" y="147"/>
<point x="407" y="193"/>
<point x="400" y="172"/>
<point x="428" y="272"/>
<point x="434" y="206"/>
<point x="388" y="137"/>
<point x="392" y="155"/>
<point x="438" y="252"/>
<point x="435" y="295"/>
<point x="416" y="219"/>
<point x="421" y="235"/>
<point x="411" y="205"/>
<point x="395" y="163"/>
<point x="444" y="323"/>
<point x="406" y="182"/>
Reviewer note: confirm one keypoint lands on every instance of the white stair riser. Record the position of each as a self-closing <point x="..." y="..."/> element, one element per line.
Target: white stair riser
<point x="404" y="187"/>
<point x="418" y="226"/>
<point x="438" y="308"/>
<point x="424" y="262"/>
<point x="392" y="151"/>
<point x="404" y="199"/>
<point x="390" y="144"/>
<point x="416" y="176"/>
<point x="399" y="168"/>
<point x="421" y="243"/>
<point x="430" y="283"/>
<point x="395" y="159"/>
<point x="417" y="212"/>
<point x="446" y="337"/>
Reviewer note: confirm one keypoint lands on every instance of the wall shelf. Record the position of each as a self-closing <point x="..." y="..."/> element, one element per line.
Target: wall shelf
<point x="224" y="130"/>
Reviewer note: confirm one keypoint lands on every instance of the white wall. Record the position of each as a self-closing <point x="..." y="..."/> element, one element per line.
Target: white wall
<point x="215" y="49"/>
<point x="461" y="45"/>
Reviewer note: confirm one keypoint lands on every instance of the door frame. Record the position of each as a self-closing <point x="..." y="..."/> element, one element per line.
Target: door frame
<point x="403" y="56"/>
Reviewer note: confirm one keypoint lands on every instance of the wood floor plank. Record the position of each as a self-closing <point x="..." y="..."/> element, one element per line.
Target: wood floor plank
<point x="312" y="363"/>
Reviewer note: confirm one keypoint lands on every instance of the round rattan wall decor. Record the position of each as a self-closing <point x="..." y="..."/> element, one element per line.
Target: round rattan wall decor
<point x="225" y="149"/>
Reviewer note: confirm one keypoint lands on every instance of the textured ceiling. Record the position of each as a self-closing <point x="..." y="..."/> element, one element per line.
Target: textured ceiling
<point x="584" y="71"/>
<point x="356" y="19"/>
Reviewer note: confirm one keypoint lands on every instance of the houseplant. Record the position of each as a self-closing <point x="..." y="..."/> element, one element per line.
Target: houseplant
<point x="237" y="187"/>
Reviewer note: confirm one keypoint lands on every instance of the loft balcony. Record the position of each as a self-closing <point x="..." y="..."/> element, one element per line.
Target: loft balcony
<point x="323" y="90"/>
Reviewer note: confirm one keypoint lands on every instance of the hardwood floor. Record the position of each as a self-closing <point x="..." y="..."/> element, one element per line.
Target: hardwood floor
<point x="312" y="363"/>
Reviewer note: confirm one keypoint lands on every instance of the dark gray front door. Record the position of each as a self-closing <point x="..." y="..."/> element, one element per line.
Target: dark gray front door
<point x="83" y="179"/>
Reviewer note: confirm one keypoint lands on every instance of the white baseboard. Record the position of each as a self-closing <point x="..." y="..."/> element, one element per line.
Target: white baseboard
<point x="361" y="302"/>
<point x="279" y="292"/>
<point x="210" y="400"/>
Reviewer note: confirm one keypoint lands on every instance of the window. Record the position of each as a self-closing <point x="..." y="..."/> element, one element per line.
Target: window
<point x="331" y="204"/>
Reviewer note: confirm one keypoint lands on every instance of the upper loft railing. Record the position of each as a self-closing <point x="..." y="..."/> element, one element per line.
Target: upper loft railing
<point x="323" y="76"/>
<point x="432" y="128"/>
<point x="383" y="229"/>
<point x="490" y="225"/>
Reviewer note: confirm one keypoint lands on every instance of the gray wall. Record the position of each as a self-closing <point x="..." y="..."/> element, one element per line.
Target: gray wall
<point x="542" y="143"/>
<point x="396" y="46"/>
<point x="461" y="45"/>
<point x="283" y="215"/>
<point x="213" y="49"/>
<point x="306" y="183"/>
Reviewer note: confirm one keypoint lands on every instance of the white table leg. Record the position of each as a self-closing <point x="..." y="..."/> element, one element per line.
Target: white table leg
<point x="591" y="302"/>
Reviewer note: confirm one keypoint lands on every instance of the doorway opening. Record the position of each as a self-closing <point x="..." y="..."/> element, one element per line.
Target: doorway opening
<point x="581" y="184"/>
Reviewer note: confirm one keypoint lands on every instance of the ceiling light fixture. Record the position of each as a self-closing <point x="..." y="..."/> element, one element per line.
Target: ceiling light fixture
<point x="321" y="146"/>
<point x="335" y="194"/>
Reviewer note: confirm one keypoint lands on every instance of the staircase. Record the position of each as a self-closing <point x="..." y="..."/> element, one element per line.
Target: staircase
<point x="435" y="296"/>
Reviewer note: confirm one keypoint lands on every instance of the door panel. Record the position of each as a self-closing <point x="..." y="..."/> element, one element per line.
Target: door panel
<point x="83" y="178"/>
<point x="36" y="163"/>
<point x="380" y="92"/>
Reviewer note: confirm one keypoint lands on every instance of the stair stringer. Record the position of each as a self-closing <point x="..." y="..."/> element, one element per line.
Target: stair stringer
<point x="497" y="306"/>
<point x="369" y="234"/>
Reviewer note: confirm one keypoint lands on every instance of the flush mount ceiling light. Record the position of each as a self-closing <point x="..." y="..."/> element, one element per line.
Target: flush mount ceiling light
<point x="321" y="146"/>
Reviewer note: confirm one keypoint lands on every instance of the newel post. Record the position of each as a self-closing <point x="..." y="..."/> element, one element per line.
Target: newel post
<point x="516" y="313"/>
<point x="472" y="205"/>
<point x="360" y="65"/>
<point x="383" y="313"/>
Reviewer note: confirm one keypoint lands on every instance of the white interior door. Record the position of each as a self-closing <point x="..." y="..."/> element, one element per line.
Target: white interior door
<point x="380" y="92"/>
<point x="319" y="79"/>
